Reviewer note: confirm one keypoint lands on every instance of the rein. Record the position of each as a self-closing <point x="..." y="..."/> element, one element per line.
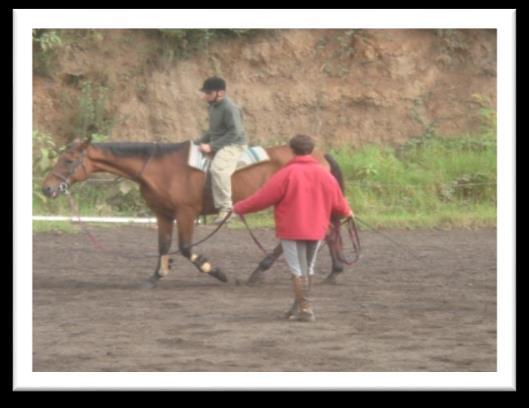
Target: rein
<point x="99" y="246"/>
<point x="64" y="187"/>
<point x="219" y="226"/>
<point x="336" y="240"/>
<point x="259" y="245"/>
<point x="75" y="210"/>
<point x="394" y="242"/>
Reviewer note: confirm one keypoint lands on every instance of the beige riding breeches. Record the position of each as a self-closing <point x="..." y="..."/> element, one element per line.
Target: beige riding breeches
<point x="222" y="167"/>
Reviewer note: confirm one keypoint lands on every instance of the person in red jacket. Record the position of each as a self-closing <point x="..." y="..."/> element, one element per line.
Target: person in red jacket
<point x="305" y="195"/>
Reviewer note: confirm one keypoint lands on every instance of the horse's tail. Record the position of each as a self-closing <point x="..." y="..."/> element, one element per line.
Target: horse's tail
<point x="336" y="171"/>
<point x="333" y="238"/>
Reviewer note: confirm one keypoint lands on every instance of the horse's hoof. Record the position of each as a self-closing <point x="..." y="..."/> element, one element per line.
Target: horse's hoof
<point x="330" y="280"/>
<point x="150" y="283"/>
<point x="255" y="282"/>
<point x="337" y="269"/>
<point x="255" y="279"/>
<point x="217" y="273"/>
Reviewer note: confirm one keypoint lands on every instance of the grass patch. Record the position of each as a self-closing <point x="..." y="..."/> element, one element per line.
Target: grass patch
<point x="55" y="226"/>
<point x="483" y="216"/>
<point x="67" y="227"/>
<point x="263" y="219"/>
<point x="429" y="182"/>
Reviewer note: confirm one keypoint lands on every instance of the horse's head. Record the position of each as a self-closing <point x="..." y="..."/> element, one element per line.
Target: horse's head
<point x="69" y="169"/>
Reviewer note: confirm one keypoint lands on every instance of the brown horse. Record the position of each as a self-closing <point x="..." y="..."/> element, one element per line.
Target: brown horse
<point x="172" y="190"/>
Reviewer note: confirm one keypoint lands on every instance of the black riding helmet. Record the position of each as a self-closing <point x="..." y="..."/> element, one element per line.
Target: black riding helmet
<point x="213" y="83"/>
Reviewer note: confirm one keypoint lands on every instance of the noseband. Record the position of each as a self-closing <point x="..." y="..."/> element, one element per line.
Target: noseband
<point x="65" y="185"/>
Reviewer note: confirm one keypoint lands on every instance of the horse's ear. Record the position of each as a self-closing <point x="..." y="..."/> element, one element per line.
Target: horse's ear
<point x="86" y="143"/>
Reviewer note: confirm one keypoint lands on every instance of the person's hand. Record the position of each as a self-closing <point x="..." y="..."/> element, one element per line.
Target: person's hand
<point x="205" y="148"/>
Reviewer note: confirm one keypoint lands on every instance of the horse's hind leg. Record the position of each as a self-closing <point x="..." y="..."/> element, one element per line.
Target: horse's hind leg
<point x="165" y="237"/>
<point x="186" y="220"/>
<point x="337" y="266"/>
<point x="265" y="264"/>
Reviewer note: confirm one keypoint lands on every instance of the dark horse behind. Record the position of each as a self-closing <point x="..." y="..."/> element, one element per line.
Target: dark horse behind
<point x="173" y="190"/>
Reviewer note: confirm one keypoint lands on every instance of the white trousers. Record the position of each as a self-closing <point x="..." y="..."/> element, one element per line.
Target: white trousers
<point x="301" y="256"/>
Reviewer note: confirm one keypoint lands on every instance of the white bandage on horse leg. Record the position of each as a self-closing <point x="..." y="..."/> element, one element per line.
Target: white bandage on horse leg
<point x="205" y="266"/>
<point x="164" y="265"/>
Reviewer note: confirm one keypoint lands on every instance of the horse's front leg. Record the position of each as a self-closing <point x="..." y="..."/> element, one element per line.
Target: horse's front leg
<point x="337" y="265"/>
<point x="165" y="237"/>
<point x="186" y="221"/>
<point x="265" y="264"/>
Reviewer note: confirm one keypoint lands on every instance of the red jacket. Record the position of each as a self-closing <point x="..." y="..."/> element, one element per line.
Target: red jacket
<point x="304" y="194"/>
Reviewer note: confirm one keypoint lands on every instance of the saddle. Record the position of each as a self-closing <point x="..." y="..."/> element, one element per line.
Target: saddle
<point x="250" y="156"/>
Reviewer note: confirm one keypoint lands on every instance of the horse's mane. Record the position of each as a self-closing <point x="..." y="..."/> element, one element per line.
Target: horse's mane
<point x="127" y="149"/>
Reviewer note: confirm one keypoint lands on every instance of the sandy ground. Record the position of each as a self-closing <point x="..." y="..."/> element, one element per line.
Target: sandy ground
<point x="389" y="312"/>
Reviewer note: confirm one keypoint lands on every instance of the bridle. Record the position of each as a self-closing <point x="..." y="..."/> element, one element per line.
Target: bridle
<point x="65" y="185"/>
<point x="66" y="180"/>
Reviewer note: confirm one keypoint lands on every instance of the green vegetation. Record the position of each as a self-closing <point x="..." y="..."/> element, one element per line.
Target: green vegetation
<point x="429" y="182"/>
<point x="101" y="195"/>
<point x="54" y="226"/>
<point x="46" y="44"/>
<point x="92" y="114"/>
<point x="181" y="43"/>
<point x="173" y="43"/>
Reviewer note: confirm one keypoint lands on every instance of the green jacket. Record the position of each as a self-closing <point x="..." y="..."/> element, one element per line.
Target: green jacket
<point x="225" y="125"/>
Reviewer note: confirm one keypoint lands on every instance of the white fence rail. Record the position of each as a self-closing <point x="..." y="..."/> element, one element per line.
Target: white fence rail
<point x="95" y="219"/>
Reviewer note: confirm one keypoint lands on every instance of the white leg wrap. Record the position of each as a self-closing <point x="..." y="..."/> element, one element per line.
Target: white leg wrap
<point x="164" y="265"/>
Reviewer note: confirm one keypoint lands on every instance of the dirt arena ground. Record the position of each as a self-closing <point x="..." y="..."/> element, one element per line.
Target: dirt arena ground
<point x="390" y="312"/>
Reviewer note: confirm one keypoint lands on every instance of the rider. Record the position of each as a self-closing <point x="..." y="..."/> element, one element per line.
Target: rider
<point x="226" y="138"/>
<point x="304" y="195"/>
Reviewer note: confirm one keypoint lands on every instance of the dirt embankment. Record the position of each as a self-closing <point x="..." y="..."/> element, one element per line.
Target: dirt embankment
<point x="342" y="86"/>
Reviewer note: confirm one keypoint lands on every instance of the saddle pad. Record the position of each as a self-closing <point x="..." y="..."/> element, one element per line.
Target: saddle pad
<point x="250" y="156"/>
